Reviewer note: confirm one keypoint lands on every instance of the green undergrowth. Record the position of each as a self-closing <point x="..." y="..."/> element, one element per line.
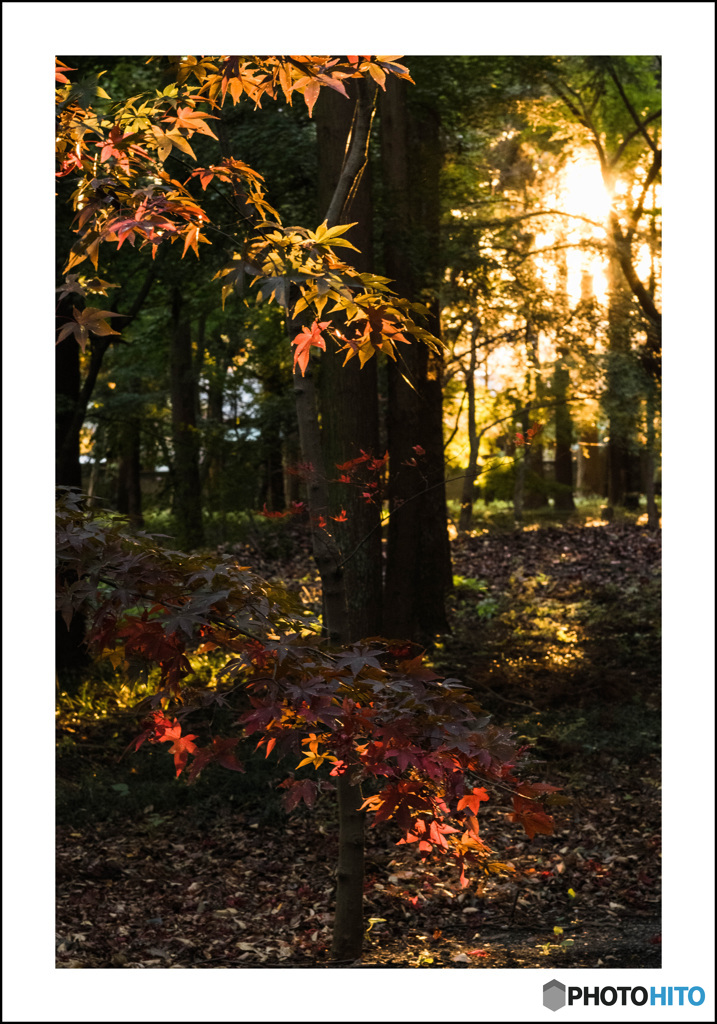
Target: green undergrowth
<point x="499" y="515"/>
<point x="98" y="777"/>
<point x="269" y="538"/>
<point x="97" y="786"/>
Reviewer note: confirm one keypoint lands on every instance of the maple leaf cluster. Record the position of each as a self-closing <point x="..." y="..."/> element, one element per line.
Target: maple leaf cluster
<point x="118" y="150"/>
<point x="524" y="439"/>
<point x="376" y="713"/>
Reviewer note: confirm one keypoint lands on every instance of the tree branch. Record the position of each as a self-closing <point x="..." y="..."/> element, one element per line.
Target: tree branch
<point x="629" y="107"/>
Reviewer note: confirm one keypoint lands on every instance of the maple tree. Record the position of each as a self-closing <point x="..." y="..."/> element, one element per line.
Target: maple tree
<point x="376" y="713"/>
<point x="366" y="708"/>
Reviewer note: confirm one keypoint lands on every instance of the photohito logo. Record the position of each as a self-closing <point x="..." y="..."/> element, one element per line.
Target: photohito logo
<point x="555" y="995"/>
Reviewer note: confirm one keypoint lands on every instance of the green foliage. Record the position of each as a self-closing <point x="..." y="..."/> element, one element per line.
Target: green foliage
<point x="473" y="599"/>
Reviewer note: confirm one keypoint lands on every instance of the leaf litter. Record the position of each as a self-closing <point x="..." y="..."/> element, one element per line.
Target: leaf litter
<point x="176" y="892"/>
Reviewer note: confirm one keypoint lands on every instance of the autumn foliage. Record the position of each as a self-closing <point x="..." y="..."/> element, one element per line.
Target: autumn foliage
<point x="374" y="712"/>
<point x="118" y="153"/>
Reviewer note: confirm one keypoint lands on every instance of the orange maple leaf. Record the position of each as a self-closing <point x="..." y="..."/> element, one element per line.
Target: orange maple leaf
<point x="309" y="336"/>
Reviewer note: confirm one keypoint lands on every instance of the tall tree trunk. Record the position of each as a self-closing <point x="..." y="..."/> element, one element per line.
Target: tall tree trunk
<point x="185" y="438"/>
<point x="418" y="569"/>
<point x="348" y="922"/>
<point x="349" y="394"/>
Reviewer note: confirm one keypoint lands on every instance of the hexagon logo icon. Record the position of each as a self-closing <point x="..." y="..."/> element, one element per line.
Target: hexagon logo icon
<point x="554" y="995"/>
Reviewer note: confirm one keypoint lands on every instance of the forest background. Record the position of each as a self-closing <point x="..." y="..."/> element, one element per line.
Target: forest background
<point x="687" y="373"/>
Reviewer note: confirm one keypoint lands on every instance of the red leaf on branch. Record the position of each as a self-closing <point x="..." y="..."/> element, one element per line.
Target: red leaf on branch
<point x="309" y="336"/>
<point x="532" y="817"/>
<point x="473" y="801"/>
<point x="221" y="752"/>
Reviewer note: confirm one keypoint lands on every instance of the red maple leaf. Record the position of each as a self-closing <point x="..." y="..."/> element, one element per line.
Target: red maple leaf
<point x="182" y="746"/>
<point x="532" y="817"/>
<point x="473" y="801"/>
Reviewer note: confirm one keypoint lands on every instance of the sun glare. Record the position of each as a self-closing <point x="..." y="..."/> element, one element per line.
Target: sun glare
<point x="583" y="190"/>
<point x="582" y="194"/>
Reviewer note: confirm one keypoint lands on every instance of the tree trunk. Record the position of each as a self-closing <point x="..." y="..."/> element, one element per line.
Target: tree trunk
<point x="348" y="922"/>
<point x="535" y="492"/>
<point x="468" y="495"/>
<point x="67" y="388"/>
<point x="653" y="515"/>
<point x="129" y="487"/>
<point x="73" y="394"/>
<point x="185" y="438"/>
<point x="522" y="423"/>
<point x="622" y="393"/>
<point x="564" y="500"/>
<point x="418" y="569"/>
<point x="349" y="394"/>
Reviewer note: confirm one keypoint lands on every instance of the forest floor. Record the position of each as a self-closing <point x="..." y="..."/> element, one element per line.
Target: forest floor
<point x="557" y="629"/>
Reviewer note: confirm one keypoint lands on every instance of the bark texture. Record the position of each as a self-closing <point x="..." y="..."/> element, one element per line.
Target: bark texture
<point x="418" y="570"/>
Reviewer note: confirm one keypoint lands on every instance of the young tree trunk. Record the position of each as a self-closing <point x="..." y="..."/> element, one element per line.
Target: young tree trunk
<point x="185" y="438"/>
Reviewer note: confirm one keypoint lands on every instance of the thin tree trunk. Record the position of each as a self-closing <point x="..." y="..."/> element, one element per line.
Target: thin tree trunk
<point x="522" y="422"/>
<point x="187" y="483"/>
<point x="534" y="494"/>
<point x="653" y="515"/>
<point x="615" y="399"/>
<point x="129" y="488"/>
<point x="564" y="500"/>
<point x="73" y="396"/>
<point x="468" y="496"/>
<point x="67" y="386"/>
